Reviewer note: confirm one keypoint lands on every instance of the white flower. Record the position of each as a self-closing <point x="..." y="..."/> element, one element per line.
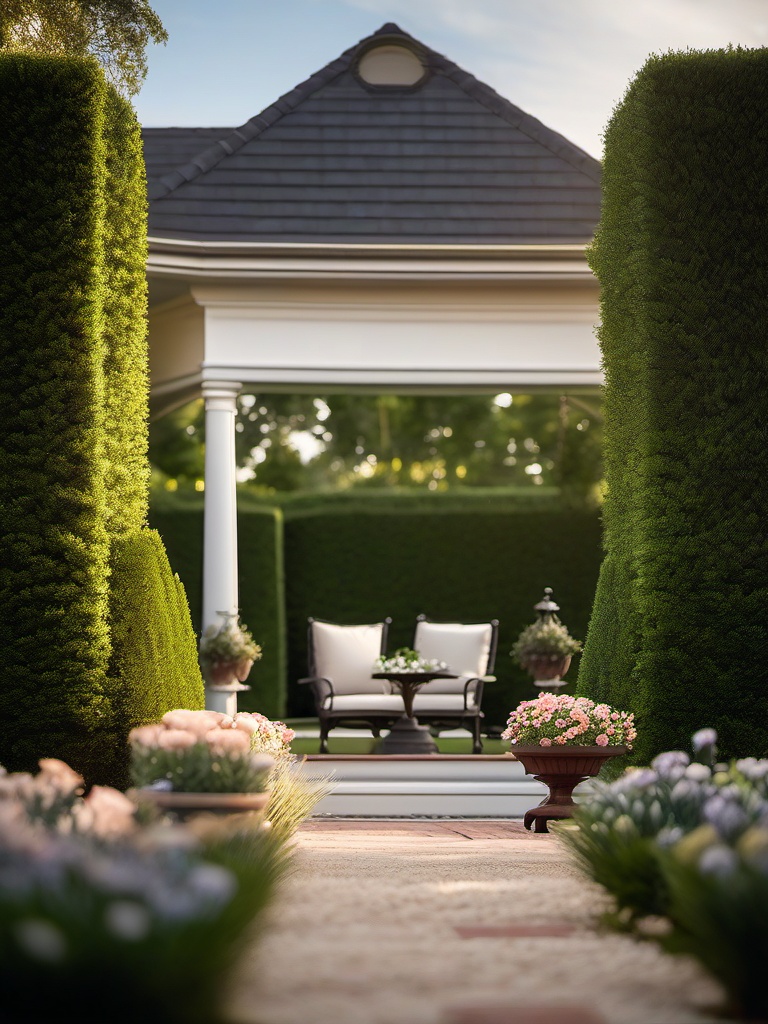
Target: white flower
<point x="128" y="920"/>
<point x="703" y="738"/>
<point x="41" y="940"/>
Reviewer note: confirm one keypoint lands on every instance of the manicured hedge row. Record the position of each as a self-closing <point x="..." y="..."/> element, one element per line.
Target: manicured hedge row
<point x="679" y="631"/>
<point x="54" y="641"/>
<point x="349" y="563"/>
<point x="262" y="606"/>
<point x="465" y="566"/>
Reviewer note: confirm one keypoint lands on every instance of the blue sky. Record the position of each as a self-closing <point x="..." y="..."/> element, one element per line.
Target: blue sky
<point x="566" y="62"/>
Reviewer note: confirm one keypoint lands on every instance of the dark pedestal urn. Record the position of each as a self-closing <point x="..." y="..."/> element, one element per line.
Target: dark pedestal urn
<point x="561" y="769"/>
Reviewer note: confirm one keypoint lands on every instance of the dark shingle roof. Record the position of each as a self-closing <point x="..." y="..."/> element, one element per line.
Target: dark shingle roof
<point x="334" y="160"/>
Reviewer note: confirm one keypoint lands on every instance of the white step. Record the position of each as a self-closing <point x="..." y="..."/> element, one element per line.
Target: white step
<point x="439" y="785"/>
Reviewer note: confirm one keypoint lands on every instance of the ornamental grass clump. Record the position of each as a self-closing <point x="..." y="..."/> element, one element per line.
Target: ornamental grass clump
<point x="559" y="720"/>
<point x="199" y="752"/>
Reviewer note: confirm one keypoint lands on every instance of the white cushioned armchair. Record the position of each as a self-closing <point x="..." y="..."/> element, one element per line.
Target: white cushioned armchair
<point x="341" y="662"/>
<point x="469" y="650"/>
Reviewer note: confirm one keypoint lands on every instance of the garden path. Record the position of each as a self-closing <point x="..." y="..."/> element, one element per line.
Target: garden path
<point x="452" y="922"/>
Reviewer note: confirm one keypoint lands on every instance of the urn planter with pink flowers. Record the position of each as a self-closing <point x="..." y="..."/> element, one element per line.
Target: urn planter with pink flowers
<point x="202" y="761"/>
<point x="562" y="740"/>
<point x="561" y="769"/>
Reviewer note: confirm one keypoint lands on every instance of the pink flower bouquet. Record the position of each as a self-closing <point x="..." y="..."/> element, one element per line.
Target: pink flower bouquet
<point x="563" y="720"/>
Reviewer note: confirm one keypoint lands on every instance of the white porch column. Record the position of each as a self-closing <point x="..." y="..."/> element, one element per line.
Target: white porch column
<point x="220" y="592"/>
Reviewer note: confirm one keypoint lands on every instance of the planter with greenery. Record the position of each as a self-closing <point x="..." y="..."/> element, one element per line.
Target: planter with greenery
<point x="227" y="653"/>
<point x="545" y="649"/>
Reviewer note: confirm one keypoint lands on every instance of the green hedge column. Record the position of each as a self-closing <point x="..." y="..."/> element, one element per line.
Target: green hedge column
<point x="54" y="642"/>
<point x="679" y="631"/>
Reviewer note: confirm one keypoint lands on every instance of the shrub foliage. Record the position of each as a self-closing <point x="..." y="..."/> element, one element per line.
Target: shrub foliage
<point x="678" y="631"/>
<point x="73" y="400"/>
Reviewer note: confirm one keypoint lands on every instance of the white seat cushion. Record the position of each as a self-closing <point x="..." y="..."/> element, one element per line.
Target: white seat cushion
<point x="382" y="703"/>
<point x="346" y="655"/>
<point x="464" y="647"/>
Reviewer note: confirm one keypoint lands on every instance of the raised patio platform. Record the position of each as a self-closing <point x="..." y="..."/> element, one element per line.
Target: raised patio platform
<point x="434" y="785"/>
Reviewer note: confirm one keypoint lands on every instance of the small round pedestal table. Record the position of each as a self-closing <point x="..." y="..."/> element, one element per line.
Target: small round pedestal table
<point x="406" y="736"/>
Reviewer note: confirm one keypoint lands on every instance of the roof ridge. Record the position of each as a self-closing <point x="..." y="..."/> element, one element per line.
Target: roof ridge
<point x="527" y="123"/>
<point x="212" y="155"/>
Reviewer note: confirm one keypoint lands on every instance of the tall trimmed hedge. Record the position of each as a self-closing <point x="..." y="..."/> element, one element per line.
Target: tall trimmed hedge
<point x="124" y="325"/>
<point x="679" y="629"/>
<point x="54" y="642"/>
<point x="73" y="397"/>
<point x="262" y="607"/>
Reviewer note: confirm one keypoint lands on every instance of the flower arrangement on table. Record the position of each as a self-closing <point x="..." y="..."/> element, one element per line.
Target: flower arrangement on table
<point x="687" y="841"/>
<point x="202" y="752"/>
<point x="228" y="650"/>
<point x="405" y="660"/>
<point x="560" y="720"/>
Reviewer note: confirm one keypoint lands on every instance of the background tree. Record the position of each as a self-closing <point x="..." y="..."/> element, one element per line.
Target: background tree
<point x="291" y="442"/>
<point x="115" y="32"/>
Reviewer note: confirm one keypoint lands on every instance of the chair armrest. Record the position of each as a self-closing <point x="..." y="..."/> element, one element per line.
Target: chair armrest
<point x="475" y="684"/>
<point x="322" y="688"/>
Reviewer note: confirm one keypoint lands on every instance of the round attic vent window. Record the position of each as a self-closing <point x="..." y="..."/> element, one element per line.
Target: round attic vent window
<point x="391" y="65"/>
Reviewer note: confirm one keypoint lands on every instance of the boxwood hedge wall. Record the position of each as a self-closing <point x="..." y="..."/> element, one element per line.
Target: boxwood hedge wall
<point x="54" y="641"/>
<point x="262" y="607"/>
<point x="465" y="558"/>
<point x="679" y="631"/>
<point x="73" y="402"/>
<point x="150" y="628"/>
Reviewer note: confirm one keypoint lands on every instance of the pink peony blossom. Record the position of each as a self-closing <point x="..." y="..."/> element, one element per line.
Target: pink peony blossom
<point x="145" y="735"/>
<point x="601" y="740"/>
<point x="176" y="739"/>
<point x="196" y="722"/>
<point x="109" y="812"/>
<point x="560" y="739"/>
<point x="545" y="741"/>
<point x="59" y="775"/>
<point x="228" y="741"/>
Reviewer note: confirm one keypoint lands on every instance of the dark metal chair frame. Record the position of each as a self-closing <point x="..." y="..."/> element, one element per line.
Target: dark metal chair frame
<point x="323" y="688"/>
<point x="471" y="717"/>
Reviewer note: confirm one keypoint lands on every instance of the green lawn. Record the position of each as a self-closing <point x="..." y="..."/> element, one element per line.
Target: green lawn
<point x="366" y="744"/>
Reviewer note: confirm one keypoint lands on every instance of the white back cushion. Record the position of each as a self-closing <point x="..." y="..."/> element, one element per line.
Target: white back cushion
<point x="346" y="655"/>
<point x="463" y="647"/>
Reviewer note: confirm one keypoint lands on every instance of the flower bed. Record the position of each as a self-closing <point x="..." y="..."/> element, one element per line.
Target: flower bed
<point x="688" y="842"/>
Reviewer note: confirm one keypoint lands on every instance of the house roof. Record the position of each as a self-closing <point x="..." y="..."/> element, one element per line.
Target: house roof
<point x="339" y="160"/>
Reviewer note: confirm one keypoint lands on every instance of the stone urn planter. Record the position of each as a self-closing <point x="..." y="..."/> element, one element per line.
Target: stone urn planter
<point x="226" y="673"/>
<point x="547" y="668"/>
<point x="186" y="805"/>
<point x="561" y="769"/>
